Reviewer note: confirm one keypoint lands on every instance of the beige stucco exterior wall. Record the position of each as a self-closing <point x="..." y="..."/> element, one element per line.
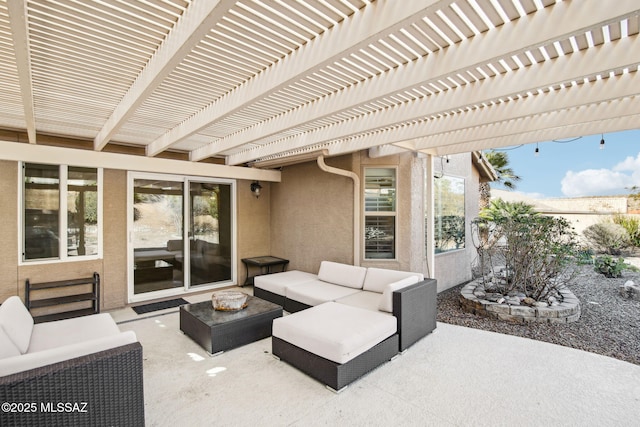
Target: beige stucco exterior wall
<point x="312" y="215"/>
<point x="9" y="230"/>
<point x="453" y="268"/>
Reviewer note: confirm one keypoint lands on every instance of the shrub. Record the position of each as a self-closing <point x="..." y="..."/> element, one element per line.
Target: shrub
<point x="537" y="252"/>
<point x="610" y="267"/>
<point x="607" y="237"/>
<point x="632" y="225"/>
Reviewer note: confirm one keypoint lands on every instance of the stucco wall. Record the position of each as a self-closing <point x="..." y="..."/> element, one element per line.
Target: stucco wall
<point x="454" y="267"/>
<point x="312" y="215"/>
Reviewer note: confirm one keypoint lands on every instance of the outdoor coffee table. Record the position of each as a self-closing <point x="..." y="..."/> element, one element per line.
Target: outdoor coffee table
<point x="218" y="331"/>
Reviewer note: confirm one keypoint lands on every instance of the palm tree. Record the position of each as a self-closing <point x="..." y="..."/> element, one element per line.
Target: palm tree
<point x="499" y="160"/>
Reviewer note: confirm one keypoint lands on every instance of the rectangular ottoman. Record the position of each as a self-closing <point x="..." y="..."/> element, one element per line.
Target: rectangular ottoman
<point x="335" y="343"/>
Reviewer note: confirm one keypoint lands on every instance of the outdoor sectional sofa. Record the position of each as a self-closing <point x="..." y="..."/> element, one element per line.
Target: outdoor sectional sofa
<point x="79" y="371"/>
<point x="347" y="320"/>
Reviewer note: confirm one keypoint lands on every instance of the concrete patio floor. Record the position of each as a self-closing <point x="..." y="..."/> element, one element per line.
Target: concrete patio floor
<point x="454" y="377"/>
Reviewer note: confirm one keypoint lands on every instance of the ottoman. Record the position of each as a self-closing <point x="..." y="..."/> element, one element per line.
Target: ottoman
<point x="335" y="343"/>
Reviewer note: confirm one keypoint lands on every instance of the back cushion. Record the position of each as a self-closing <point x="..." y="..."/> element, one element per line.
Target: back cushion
<point x="7" y="347"/>
<point x="386" y="301"/>
<point x="342" y="274"/>
<point x="378" y="278"/>
<point x="17" y="322"/>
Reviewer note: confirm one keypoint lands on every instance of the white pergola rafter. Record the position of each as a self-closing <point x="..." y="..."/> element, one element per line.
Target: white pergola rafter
<point x="335" y="43"/>
<point x="574" y="67"/>
<point x="20" y="29"/>
<point x="510" y="39"/>
<point x="188" y="31"/>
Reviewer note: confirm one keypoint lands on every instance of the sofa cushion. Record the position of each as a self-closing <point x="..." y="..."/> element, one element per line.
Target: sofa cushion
<point x="277" y="283"/>
<point x="24" y="362"/>
<point x="337" y="332"/>
<point x="386" y="302"/>
<point x="7" y="347"/>
<point x="362" y="299"/>
<point x="17" y="322"/>
<point x="316" y="292"/>
<point x="377" y="278"/>
<point x="71" y="331"/>
<point x="342" y="274"/>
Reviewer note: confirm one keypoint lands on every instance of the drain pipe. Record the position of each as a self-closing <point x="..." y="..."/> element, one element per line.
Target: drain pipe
<point x="356" y="203"/>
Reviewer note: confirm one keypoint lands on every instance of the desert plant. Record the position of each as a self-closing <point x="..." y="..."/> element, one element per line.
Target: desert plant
<point x="632" y="225"/>
<point x="607" y="237"/>
<point x="536" y="251"/>
<point x="609" y="266"/>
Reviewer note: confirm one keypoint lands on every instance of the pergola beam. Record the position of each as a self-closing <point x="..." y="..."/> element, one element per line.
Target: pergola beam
<point x="190" y="29"/>
<point x="20" y="31"/>
<point x="506" y="41"/>
<point x="347" y="37"/>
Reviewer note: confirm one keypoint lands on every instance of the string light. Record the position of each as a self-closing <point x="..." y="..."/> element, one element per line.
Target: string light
<point x="536" y="151"/>
<point x="602" y="142"/>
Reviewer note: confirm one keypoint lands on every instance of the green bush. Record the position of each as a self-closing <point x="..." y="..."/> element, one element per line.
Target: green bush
<point x="609" y="266"/>
<point x="632" y="225"/>
<point x="607" y="237"/>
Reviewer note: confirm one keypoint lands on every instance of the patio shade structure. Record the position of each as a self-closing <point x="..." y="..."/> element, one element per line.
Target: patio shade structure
<point x="251" y="81"/>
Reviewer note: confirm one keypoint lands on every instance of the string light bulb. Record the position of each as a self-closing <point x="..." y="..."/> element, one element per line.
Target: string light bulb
<point x="602" y="142"/>
<point x="536" y="152"/>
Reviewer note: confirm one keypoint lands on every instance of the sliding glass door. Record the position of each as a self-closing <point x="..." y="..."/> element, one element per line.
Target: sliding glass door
<point x="180" y="235"/>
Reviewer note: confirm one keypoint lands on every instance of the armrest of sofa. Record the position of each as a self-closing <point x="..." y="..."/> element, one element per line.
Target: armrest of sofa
<point x="415" y="307"/>
<point x="103" y="388"/>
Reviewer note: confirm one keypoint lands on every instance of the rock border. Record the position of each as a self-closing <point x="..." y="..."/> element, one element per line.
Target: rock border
<point x="566" y="311"/>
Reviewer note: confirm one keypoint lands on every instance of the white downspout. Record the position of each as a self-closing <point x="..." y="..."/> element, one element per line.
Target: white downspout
<point x="356" y="204"/>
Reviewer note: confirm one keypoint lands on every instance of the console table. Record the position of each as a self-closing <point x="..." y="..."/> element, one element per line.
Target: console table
<point x="266" y="265"/>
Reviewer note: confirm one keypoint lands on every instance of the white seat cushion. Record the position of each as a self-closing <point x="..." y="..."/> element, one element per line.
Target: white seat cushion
<point x="277" y="283"/>
<point x="362" y="299"/>
<point x="17" y="322"/>
<point x="7" y="347"/>
<point x="71" y="331"/>
<point x="317" y="292"/>
<point x="342" y="274"/>
<point x="378" y="278"/>
<point x="337" y="332"/>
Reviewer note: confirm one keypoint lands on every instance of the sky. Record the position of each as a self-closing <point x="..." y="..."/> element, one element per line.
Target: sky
<point x="577" y="167"/>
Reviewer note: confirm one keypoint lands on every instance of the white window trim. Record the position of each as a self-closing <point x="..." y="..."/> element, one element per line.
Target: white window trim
<point x="62" y="220"/>
<point x="366" y="213"/>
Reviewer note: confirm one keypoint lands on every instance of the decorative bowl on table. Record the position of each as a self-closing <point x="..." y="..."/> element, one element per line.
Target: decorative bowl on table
<point x="229" y="300"/>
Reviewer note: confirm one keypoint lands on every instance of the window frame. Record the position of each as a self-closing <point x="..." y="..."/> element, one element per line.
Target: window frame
<point x="63" y="217"/>
<point x="380" y="213"/>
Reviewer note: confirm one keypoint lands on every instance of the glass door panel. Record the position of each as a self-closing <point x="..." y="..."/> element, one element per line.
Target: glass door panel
<point x="209" y="232"/>
<point x="157" y="232"/>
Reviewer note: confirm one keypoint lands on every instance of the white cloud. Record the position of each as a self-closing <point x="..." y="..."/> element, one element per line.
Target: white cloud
<point x="603" y="182"/>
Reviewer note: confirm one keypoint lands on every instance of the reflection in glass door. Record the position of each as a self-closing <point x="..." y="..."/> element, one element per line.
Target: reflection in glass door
<point x="157" y="235"/>
<point x="210" y="232"/>
<point x="181" y="235"/>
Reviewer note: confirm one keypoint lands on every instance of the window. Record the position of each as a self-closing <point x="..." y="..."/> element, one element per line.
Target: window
<point x="61" y="212"/>
<point x="380" y="213"/>
<point x="449" y="221"/>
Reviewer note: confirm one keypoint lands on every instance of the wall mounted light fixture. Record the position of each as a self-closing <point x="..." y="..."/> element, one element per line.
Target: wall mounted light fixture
<point x="255" y="188"/>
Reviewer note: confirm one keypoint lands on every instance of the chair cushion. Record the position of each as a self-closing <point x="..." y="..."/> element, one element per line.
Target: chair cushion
<point x="378" y="278"/>
<point x="386" y="302"/>
<point x="316" y="292"/>
<point x="362" y="299"/>
<point x="7" y="347"/>
<point x="277" y="283"/>
<point x="72" y="331"/>
<point x="337" y="332"/>
<point x="17" y="322"/>
<point x="342" y="274"/>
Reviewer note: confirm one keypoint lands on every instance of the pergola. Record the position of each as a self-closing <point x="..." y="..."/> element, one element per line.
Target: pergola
<point x="251" y="81"/>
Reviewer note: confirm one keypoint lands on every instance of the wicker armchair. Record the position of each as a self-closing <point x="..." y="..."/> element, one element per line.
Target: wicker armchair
<point x="99" y="389"/>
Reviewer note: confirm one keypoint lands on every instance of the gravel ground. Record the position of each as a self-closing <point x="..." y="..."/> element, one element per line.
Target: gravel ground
<point x="609" y="323"/>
